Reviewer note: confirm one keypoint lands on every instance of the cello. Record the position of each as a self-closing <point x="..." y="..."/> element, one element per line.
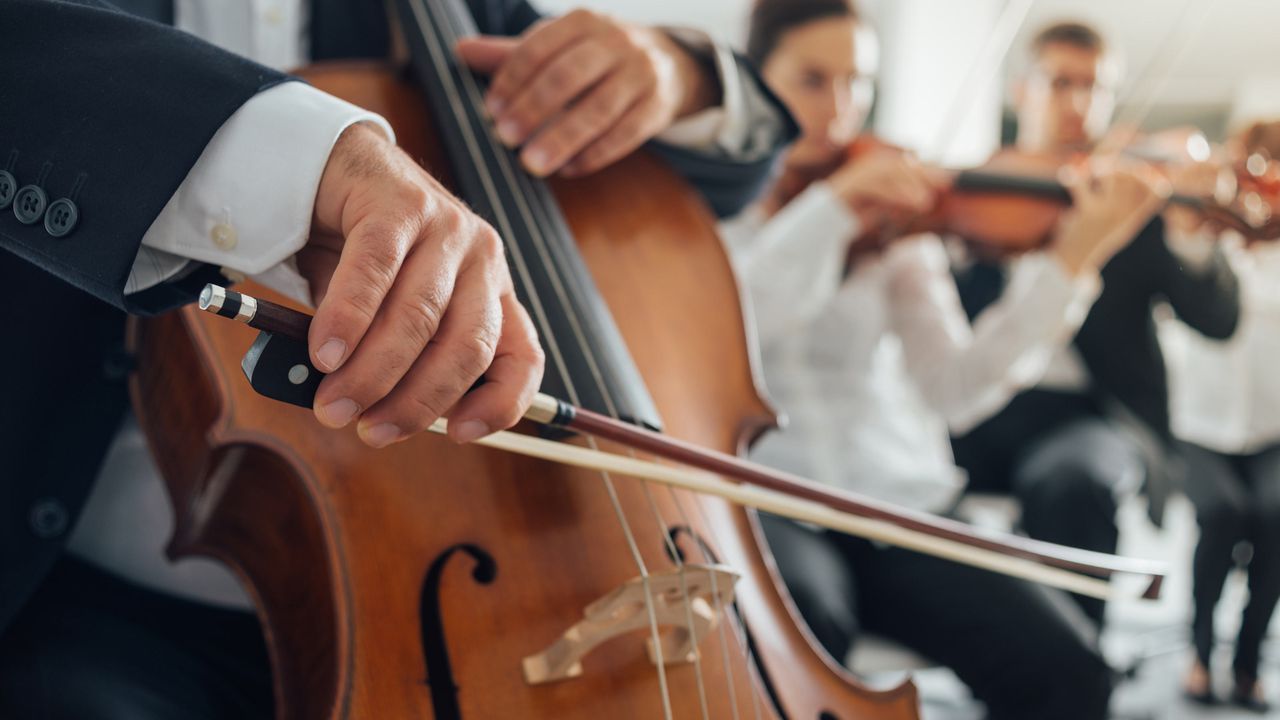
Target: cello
<point x="419" y="580"/>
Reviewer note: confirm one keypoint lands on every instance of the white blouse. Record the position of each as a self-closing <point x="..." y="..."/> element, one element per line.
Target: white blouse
<point x="873" y="370"/>
<point x="1225" y="395"/>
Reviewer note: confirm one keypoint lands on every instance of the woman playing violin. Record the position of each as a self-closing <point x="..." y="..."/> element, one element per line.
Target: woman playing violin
<point x="867" y="351"/>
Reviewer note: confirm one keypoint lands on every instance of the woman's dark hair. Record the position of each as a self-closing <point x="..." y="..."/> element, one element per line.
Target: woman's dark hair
<point x="771" y="19"/>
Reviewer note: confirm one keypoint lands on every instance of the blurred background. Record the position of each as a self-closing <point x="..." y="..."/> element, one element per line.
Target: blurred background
<point x="946" y="81"/>
<point x="1209" y="63"/>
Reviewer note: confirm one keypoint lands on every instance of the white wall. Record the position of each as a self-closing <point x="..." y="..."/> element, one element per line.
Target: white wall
<point x="726" y="20"/>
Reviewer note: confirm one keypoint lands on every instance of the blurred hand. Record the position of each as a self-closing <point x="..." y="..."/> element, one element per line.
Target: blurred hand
<point x="1109" y="209"/>
<point x="583" y="90"/>
<point x="884" y="185"/>
<point x="1212" y="180"/>
<point x="415" y="303"/>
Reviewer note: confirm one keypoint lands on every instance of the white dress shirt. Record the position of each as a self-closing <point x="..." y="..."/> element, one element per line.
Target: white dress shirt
<point x="872" y="370"/>
<point x="1225" y="395"/>
<point x="246" y="206"/>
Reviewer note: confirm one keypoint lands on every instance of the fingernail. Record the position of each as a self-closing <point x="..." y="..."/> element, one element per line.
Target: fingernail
<point x="537" y="160"/>
<point x="330" y="354"/>
<point x="495" y="105"/>
<point x="509" y="132"/>
<point x="470" y="430"/>
<point x="380" y="436"/>
<point x="339" y="412"/>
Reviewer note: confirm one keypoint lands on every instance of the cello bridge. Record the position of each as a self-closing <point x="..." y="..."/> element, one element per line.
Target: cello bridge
<point x="688" y="603"/>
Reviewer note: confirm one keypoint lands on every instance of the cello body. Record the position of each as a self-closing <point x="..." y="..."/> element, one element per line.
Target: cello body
<point x="411" y="582"/>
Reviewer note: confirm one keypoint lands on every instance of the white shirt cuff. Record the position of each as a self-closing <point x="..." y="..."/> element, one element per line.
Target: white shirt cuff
<point x="744" y="126"/>
<point x="246" y="204"/>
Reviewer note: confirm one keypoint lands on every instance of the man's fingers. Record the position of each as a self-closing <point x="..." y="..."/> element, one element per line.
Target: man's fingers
<point x="486" y="53"/>
<point x="510" y="383"/>
<point x="596" y="117"/>
<point x="456" y="357"/>
<point x="410" y="315"/>
<point x="562" y="80"/>
<point x="534" y="49"/>
<point x="367" y="268"/>
<point x="316" y="262"/>
<point x="636" y="125"/>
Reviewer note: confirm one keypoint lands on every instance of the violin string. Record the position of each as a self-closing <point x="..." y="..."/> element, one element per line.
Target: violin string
<point x="1156" y="74"/>
<point x="548" y="252"/>
<point x="442" y="58"/>
<point x="513" y="177"/>
<point x="987" y="63"/>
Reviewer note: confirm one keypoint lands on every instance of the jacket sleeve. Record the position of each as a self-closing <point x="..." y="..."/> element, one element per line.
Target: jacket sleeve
<point x="109" y="112"/>
<point x="1206" y="298"/>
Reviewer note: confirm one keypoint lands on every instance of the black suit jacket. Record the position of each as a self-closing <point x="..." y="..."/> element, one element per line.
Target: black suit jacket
<point x="1118" y="341"/>
<point x="121" y="108"/>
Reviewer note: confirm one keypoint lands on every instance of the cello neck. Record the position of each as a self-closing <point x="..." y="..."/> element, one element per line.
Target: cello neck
<point x="579" y="336"/>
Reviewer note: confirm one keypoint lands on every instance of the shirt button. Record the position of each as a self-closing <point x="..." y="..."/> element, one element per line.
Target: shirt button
<point x="223" y="236"/>
<point x="273" y="15"/>
<point x="48" y="518"/>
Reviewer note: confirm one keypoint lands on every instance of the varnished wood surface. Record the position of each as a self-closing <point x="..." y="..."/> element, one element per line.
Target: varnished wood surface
<point x="335" y="539"/>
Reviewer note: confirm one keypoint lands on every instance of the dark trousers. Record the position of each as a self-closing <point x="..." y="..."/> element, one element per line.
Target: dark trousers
<point x="1237" y="499"/>
<point x="1024" y="650"/>
<point x="89" y="646"/>
<point x="1064" y="462"/>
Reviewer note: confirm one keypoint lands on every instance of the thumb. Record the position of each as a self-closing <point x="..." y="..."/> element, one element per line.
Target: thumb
<point x="485" y="53"/>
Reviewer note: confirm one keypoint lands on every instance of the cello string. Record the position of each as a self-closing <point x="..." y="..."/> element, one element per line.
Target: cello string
<point x="588" y="352"/>
<point x="739" y="629"/>
<point x="548" y="252"/>
<point x="504" y="161"/>
<point x="645" y="485"/>
<point x="434" y="45"/>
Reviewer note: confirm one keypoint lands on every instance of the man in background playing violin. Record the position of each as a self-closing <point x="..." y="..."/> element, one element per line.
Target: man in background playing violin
<point x="142" y="163"/>
<point x="1096" y="427"/>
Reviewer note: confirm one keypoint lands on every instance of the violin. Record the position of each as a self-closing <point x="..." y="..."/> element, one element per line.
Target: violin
<point x="1256" y="154"/>
<point x="1013" y="203"/>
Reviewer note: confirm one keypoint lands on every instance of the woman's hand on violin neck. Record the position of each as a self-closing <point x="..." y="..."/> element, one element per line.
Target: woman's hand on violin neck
<point x="1108" y="211"/>
<point x="883" y="185"/>
<point x="583" y="90"/>
<point x="415" y="303"/>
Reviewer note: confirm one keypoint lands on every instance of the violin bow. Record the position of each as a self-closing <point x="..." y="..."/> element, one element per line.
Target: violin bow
<point x="753" y="485"/>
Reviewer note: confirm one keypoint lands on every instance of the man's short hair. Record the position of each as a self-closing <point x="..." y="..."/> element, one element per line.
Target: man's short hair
<point x="1074" y="34"/>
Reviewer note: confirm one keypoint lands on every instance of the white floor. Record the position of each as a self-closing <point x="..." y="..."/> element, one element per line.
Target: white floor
<point x="1153" y="634"/>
